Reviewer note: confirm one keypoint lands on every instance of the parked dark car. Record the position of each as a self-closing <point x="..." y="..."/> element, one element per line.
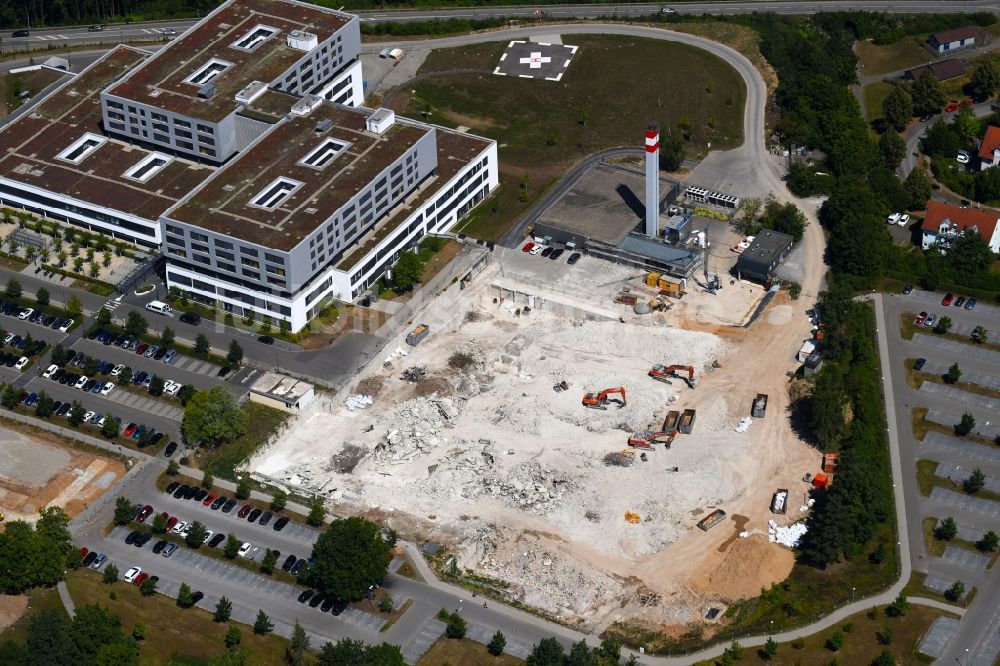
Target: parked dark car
<point x="197" y="596"/>
<point x="254" y="515"/>
<point x="339" y="606"/>
<point x="169" y="451"/>
<point x="316" y="600"/>
<point x="216" y="540"/>
<point x="298" y="567"/>
<point x="159" y="546"/>
<point x="306" y="596"/>
<point x="288" y="563"/>
<point x="919" y="364"/>
<point x="20" y="33"/>
<point x="327" y="604"/>
<point x="229" y="505"/>
<point x="960" y="301"/>
<point x="199" y="495"/>
<point x="266" y="339"/>
<point x="172" y="487"/>
<point x="217" y="504"/>
<point x="130" y="539"/>
<point x="89" y="559"/>
<point x="181" y="492"/>
<point x="556" y="253"/>
<point x="192" y="318"/>
<point x="223" y="371"/>
<point x="280" y="523"/>
<point x="266" y="517"/>
<point x="971" y="303"/>
<point x="907" y="290"/>
<point x="547" y="251"/>
<point x="143" y="539"/>
<point x="192" y="492"/>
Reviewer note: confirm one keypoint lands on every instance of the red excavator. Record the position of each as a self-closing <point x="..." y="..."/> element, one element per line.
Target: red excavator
<point x="660" y="373"/>
<point x="649" y="440"/>
<point x="601" y="400"/>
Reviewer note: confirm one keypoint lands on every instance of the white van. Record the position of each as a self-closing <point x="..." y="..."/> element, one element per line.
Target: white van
<point x="158" y="307"/>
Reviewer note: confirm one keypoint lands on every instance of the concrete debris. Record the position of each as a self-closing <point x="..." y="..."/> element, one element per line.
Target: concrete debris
<point x="789" y="536"/>
<point x="414" y="375"/>
<point x="398" y="353"/>
<point x="358" y="402"/>
<point x="743" y="425"/>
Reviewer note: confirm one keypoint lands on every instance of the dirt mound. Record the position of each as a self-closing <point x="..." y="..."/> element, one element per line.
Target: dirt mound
<point x="750" y="565"/>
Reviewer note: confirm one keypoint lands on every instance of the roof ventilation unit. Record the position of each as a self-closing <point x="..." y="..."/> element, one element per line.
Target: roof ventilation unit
<point x="302" y="40"/>
<point x="207" y="91"/>
<point x="306" y="105"/>
<point x="381" y="120"/>
<point x="323" y="125"/>
<point x="251" y="92"/>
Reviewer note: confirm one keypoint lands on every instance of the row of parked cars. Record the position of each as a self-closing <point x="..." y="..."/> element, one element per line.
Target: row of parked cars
<point x="215" y="503"/>
<point x="146" y="436"/>
<point x="27" y="346"/>
<point x="131" y="343"/>
<point x="550" y="252"/>
<point x="34" y="316"/>
<point x="79" y="360"/>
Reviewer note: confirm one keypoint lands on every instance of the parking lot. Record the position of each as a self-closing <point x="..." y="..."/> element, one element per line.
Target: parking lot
<point x="955" y="456"/>
<point x="295" y="538"/>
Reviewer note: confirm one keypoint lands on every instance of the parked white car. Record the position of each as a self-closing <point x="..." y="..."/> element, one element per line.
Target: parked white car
<point x="80" y="382"/>
<point x="117" y="370"/>
<point x="131" y="574"/>
<point x="245" y="549"/>
<point x="21" y="362"/>
<point x="108" y="388"/>
<point x="179" y="527"/>
<point x="962" y="157"/>
<point x="49" y="371"/>
<point x="537" y="249"/>
<point x="902" y="219"/>
<point x="26" y="313"/>
<point x="65" y="327"/>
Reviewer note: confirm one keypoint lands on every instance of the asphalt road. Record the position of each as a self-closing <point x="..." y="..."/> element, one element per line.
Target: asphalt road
<point x="982" y="620"/>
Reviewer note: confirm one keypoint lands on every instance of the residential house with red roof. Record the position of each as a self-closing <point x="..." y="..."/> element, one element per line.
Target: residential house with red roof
<point x="945" y="222"/>
<point x="989" y="149"/>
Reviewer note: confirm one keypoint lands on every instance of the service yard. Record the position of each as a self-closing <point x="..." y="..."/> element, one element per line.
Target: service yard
<point x="525" y="485"/>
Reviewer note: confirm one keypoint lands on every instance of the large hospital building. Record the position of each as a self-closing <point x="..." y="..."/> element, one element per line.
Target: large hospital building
<point x="242" y="151"/>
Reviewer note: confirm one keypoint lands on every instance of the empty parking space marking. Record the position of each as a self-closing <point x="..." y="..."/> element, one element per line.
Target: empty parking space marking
<point x="957" y="474"/>
<point x="958" y="395"/>
<point x="513" y="647"/>
<point x="950" y="419"/>
<point x="979" y="505"/>
<point x="966" y="329"/>
<point x="421" y="643"/>
<point x="965" y="558"/>
<point x="940" y="441"/>
<point x="988" y="380"/>
<point x="957" y="348"/>
<point x="938" y="635"/>
<point x="989" y="647"/>
<point x="939" y="584"/>
<point x="360" y="618"/>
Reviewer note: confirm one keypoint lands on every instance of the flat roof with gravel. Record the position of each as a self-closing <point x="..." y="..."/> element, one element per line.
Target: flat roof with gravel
<point x="41" y="148"/>
<point x="248" y="40"/>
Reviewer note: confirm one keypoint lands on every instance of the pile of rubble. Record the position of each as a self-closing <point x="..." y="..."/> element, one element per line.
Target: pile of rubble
<point x="415" y="429"/>
<point x="787" y="536"/>
<point x="359" y="401"/>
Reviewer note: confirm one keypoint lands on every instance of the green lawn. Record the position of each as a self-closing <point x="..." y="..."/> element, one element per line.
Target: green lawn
<point x="39" y="599"/>
<point x="875" y="59"/>
<point x="875" y="94"/>
<point x="543" y="127"/>
<point x="173" y="635"/>
<point x="464" y="652"/>
<point x="261" y="423"/>
<point x="861" y="645"/>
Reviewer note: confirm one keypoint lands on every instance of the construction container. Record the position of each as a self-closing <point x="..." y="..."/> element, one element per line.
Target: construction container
<point x="418" y="334"/>
<point x="821" y="480"/>
<point x="779" y="501"/>
<point x="671" y="288"/>
<point x="830" y="462"/>
<point x="670" y="423"/>
<point x="626" y="298"/>
<point x="652" y="279"/>
<point x="712" y="519"/>
<point x="686" y="424"/>
<point x="759" y="406"/>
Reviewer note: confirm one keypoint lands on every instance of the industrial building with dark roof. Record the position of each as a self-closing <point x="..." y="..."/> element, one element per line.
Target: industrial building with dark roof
<point x="759" y="261"/>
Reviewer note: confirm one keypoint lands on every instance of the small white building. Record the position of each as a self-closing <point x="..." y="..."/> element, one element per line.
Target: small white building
<point x="952" y="40"/>
<point x="280" y="392"/>
<point x="944" y="222"/>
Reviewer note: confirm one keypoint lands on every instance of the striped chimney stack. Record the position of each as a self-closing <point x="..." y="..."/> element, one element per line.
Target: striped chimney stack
<point x="652" y="180"/>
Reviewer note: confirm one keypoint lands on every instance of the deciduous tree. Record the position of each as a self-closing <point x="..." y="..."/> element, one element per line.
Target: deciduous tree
<point x="927" y="95"/>
<point x="892" y="147"/>
<point x="212" y="417"/>
<point x="349" y="557"/>
<point x="898" y="108"/>
<point x="985" y="80"/>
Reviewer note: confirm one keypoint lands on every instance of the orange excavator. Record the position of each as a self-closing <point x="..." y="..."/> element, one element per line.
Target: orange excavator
<point x="660" y="373"/>
<point x="649" y="440"/>
<point x="602" y="399"/>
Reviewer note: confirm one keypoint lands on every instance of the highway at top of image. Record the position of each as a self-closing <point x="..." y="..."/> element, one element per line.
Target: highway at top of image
<point x="42" y="38"/>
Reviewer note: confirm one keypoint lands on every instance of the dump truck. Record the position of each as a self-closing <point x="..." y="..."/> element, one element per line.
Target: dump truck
<point x="779" y="501"/>
<point x="418" y="334"/>
<point x="686" y="424"/>
<point x="759" y="406"/>
<point x="712" y="519"/>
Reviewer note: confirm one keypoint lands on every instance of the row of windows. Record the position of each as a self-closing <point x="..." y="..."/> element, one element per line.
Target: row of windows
<point x="243" y="297"/>
<point x="55" y="205"/>
<point x="219" y="245"/>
